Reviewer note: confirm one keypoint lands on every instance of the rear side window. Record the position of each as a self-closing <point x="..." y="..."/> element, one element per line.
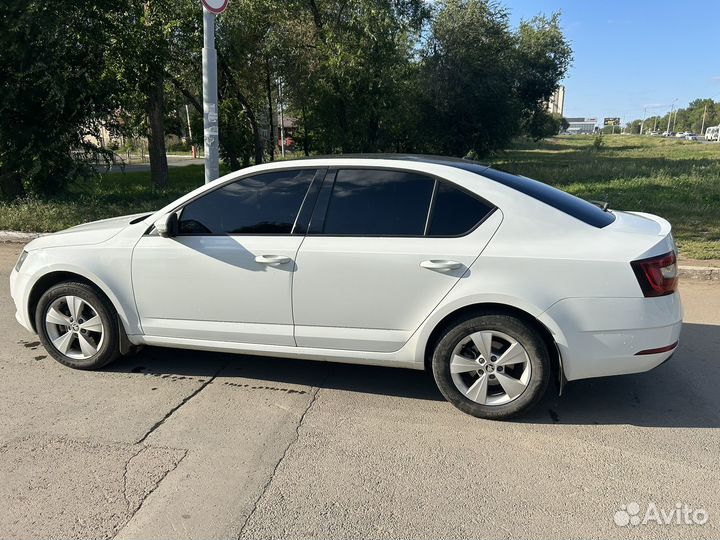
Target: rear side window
<point x="262" y="204"/>
<point x="378" y="203"/>
<point x="569" y="204"/>
<point x="455" y="212"/>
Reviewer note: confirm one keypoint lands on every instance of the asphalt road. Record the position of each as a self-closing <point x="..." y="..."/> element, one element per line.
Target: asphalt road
<point x="176" y="444"/>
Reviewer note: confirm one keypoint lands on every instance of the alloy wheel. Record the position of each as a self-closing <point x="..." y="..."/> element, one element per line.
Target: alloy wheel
<point x="490" y="368"/>
<point x="74" y="327"/>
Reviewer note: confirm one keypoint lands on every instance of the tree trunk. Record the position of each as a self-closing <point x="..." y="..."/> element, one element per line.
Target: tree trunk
<point x="306" y="141"/>
<point x="257" y="138"/>
<point x="271" y="119"/>
<point x="11" y="185"/>
<point x="156" y="133"/>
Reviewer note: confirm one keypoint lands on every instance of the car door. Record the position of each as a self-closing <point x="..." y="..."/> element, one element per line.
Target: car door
<point x="227" y="274"/>
<point x="383" y="248"/>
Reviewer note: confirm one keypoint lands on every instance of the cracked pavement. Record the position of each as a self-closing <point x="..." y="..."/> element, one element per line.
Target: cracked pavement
<point x="184" y="444"/>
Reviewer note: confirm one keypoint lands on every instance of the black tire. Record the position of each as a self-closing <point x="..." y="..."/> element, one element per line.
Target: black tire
<point x="109" y="348"/>
<point x="524" y="334"/>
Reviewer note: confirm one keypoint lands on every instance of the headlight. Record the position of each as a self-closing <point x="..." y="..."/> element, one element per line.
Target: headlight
<point x="21" y="260"/>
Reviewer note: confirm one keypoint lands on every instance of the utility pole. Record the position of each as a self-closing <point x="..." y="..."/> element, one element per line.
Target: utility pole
<point x="672" y="106"/>
<point x="211" y="8"/>
<point x="702" y="128"/>
<point x="642" y="124"/>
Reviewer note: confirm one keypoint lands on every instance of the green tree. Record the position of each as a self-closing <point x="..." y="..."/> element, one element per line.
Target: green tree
<point x="57" y="90"/>
<point x="482" y="83"/>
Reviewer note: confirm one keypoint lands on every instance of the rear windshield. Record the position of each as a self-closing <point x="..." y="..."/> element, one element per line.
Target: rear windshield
<point x="569" y="204"/>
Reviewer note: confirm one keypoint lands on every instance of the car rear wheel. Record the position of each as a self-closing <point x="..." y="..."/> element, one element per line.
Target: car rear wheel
<point x="492" y="366"/>
<point x="78" y="326"/>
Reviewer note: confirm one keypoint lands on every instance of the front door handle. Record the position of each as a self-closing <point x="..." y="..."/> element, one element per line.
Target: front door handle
<point x="272" y="259"/>
<point x="440" y="264"/>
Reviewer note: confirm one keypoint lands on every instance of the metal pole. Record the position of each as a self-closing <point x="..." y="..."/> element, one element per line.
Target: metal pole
<point x="210" y="110"/>
<point x="642" y="124"/>
<point x="702" y="128"/>
<point x="282" y="119"/>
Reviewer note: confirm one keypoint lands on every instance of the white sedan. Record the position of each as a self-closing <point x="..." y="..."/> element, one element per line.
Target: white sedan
<point x="495" y="283"/>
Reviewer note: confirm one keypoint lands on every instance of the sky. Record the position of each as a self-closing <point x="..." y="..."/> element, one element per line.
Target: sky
<point x="633" y="54"/>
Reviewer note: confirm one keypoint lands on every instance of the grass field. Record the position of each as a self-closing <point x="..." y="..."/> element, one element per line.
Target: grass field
<point x="678" y="180"/>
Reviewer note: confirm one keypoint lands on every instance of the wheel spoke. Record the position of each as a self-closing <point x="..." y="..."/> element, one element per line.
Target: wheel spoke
<point x="514" y="355"/>
<point x="478" y="391"/>
<point x="483" y="342"/>
<point x="53" y="316"/>
<point x="93" y="324"/>
<point x="460" y="364"/>
<point x="87" y="348"/>
<point x="513" y="387"/>
<point x="74" y="305"/>
<point x="62" y="343"/>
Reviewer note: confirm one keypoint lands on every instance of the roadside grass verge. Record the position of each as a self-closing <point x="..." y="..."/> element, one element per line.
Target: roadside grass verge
<point x="113" y="194"/>
<point x="678" y="180"/>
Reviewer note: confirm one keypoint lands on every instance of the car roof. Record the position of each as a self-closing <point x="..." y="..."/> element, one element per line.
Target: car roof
<point x="459" y="163"/>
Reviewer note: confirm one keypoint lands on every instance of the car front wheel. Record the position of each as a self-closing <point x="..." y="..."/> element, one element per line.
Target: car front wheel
<point x="492" y="366"/>
<point x="78" y="326"/>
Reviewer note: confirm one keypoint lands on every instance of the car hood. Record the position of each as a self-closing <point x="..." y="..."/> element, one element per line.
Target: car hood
<point x="94" y="232"/>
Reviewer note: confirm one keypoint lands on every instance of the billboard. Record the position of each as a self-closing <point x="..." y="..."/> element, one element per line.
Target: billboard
<point x="611" y="121"/>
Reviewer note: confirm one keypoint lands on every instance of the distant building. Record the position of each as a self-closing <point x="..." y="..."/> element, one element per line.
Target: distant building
<point x="581" y="126"/>
<point x="556" y="105"/>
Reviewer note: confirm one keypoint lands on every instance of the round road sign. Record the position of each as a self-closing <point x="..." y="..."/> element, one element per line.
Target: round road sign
<point x="215" y="6"/>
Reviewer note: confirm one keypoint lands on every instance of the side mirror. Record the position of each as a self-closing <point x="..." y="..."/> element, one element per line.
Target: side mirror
<point x="167" y="226"/>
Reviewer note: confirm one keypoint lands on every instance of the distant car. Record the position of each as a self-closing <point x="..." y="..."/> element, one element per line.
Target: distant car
<point x="495" y="283"/>
<point x="680" y="135"/>
<point x="691" y="136"/>
<point x="668" y="134"/>
<point x="654" y="133"/>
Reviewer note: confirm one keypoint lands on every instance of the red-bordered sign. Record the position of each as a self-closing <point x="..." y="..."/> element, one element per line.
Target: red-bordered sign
<point x="215" y="6"/>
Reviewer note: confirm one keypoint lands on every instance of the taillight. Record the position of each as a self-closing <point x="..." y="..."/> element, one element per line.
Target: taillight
<point x="657" y="275"/>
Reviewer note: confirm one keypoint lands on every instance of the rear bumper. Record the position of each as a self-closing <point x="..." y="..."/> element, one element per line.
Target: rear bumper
<point x="598" y="337"/>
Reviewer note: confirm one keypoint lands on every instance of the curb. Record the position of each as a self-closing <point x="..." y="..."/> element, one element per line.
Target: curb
<point x="18" y="237"/>
<point x="699" y="273"/>
<point x="693" y="273"/>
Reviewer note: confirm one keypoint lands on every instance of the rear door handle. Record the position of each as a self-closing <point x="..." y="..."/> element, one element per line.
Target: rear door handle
<point x="272" y="259"/>
<point x="440" y="264"/>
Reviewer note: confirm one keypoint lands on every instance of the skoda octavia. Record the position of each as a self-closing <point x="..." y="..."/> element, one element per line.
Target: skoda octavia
<point x="495" y="283"/>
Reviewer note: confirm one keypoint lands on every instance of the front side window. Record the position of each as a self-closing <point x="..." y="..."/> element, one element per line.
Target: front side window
<point x="366" y="202"/>
<point x="263" y="204"/>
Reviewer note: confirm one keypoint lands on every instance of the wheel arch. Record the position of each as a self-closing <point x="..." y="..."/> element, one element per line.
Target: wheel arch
<point x="484" y="308"/>
<point x="53" y="277"/>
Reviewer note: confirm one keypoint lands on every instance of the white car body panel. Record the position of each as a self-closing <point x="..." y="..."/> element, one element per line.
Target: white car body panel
<point x="229" y="305"/>
<point x="367" y="300"/>
<point x="381" y="278"/>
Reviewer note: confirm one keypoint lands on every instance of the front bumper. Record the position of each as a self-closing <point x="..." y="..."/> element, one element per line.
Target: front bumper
<point x="599" y="337"/>
<point x="20" y="292"/>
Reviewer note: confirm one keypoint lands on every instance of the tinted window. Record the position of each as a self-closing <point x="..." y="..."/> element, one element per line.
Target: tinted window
<point x="263" y="204"/>
<point x="571" y="205"/>
<point x="378" y="203"/>
<point x="456" y="212"/>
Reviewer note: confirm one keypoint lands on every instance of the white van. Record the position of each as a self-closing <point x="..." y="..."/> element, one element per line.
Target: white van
<point x="712" y="133"/>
